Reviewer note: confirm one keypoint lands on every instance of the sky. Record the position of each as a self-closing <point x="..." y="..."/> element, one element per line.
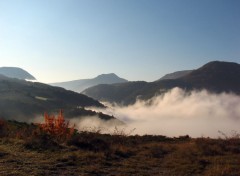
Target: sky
<point x="61" y="40"/>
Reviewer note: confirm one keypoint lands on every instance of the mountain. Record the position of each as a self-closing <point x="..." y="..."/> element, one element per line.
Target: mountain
<point x="23" y="100"/>
<point x="15" y="72"/>
<point x="128" y="93"/>
<point x="122" y="93"/>
<point x="215" y="76"/>
<point x="176" y="75"/>
<point x="82" y="84"/>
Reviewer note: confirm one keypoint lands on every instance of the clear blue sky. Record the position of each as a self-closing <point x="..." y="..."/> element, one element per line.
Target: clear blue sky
<point x="58" y="40"/>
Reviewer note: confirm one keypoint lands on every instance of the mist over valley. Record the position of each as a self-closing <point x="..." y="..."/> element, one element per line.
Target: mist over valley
<point x="198" y="103"/>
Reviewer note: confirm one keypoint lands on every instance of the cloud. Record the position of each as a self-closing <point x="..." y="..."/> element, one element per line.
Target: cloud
<point x="94" y="124"/>
<point x="196" y="113"/>
<point x="86" y="123"/>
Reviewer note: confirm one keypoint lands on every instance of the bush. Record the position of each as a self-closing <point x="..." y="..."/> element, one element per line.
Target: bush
<point x="210" y="147"/>
<point x="41" y="141"/>
<point x="57" y="127"/>
<point x="88" y="141"/>
<point x="2" y="128"/>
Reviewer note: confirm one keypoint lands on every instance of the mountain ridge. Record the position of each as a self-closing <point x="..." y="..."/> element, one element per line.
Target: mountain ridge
<point x="16" y="72"/>
<point x="175" y="75"/>
<point x="82" y="84"/>
<point x="23" y="100"/>
<point x="215" y="76"/>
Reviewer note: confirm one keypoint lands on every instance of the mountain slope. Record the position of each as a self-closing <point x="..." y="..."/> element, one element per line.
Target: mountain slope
<point x="15" y="72"/>
<point x="175" y="75"/>
<point x="215" y="76"/>
<point x="22" y="100"/>
<point x="123" y="93"/>
<point x="128" y="93"/>
<point x="82" y="84"/>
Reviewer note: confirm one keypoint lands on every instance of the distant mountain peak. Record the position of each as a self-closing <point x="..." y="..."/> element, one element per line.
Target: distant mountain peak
<point x="215" y="76"/>
<point x="219" y="65"/>
<point x="218" y="68"/>
<point x="16" y="72"/>
<point x="108" y="76"/>
<point x="82" y="84"/>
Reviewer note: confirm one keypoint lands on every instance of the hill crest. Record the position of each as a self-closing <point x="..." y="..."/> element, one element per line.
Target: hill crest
<point x="215" y="76"/>
<point x="82" y="84"/>
<point x="16" y="72"/>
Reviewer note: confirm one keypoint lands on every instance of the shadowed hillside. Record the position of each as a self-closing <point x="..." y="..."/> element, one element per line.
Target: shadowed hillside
<point x="215" y="76"/>
<point x="176" y="75"/>
<point x="24" y="100"/>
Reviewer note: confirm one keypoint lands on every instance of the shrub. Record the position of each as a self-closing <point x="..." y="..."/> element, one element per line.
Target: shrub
<point x="159" y="151"/>
<point x="40" y="140"/>
<point x="57" y="127"/>
<point x="89" y="141"/>
<point x="210" y="147"/>
<point x="2" y="128"/>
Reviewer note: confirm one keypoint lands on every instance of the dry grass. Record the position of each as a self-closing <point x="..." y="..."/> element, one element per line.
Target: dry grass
<point x="91" y="153"/>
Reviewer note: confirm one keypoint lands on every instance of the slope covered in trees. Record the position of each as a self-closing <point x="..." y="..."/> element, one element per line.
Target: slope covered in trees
<point x="214" y="76"/>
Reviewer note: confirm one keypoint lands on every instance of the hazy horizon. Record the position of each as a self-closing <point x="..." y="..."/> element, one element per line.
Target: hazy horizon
<point x="59" y="40"/>
<point x="207" y="114"/>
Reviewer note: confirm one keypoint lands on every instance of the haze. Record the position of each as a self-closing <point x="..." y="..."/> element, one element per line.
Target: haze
<point x="196" y="113"/>
<point x="60" y="40"/>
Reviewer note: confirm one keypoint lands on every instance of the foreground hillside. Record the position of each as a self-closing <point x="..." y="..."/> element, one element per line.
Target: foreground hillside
<point x="23" y="100"/>
<point x="214" y="76"/>
<point x="24" y="150"/>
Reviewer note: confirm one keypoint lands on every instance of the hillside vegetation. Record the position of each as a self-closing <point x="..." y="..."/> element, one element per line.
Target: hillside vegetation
<point x="22" y="100"/>
<point x="215" y="77"/>
<point x="30" y="150"/>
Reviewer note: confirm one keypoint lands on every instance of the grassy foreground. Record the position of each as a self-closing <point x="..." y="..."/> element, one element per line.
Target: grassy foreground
<point x="26" y="150"/>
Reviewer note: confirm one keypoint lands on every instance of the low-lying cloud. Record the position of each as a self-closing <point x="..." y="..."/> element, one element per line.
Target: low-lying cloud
<point x="196" y="113"/>
<point x="94" y="124"/>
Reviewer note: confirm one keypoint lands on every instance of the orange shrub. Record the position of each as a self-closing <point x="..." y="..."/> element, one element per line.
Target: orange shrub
<point x="57" y="126"/>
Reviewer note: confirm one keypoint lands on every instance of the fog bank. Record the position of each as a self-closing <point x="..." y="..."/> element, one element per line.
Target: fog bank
<point x="196" y="113"/>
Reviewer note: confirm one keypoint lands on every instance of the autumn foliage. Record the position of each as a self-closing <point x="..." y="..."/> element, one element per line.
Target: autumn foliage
<point x="2" y="122"/>
<point x="57" y="126"/>
<point x="2" y="125"/>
